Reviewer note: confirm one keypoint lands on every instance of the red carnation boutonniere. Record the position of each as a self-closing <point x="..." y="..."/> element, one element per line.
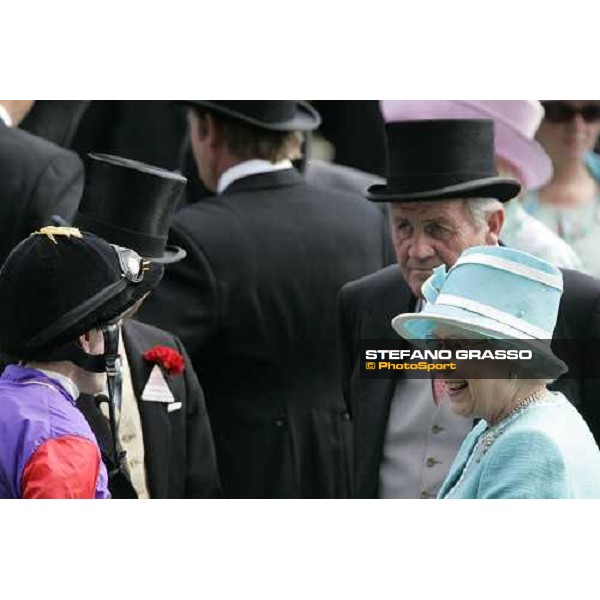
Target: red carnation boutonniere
<point x="170" y="360"/>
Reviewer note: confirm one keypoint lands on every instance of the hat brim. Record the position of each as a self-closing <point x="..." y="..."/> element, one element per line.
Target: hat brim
<point x="305" y="119"/>
<point x="501" y="188"/>
<point x="528" y="156"/>
<point x="133" y="293"/>
<point x="172" y="254"/>
<point x="419" y="326"/>
<point x="128" y="239"/>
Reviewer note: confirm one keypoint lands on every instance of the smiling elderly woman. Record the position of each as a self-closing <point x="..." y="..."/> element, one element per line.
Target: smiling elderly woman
<point x="530" y="442"/>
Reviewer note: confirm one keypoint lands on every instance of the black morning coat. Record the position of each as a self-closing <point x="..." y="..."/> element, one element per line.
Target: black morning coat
<point x="38" y="180"/>
<point x="255" y="305"/>
<point x="179" y="452"/>
<point x="366" y="308"/>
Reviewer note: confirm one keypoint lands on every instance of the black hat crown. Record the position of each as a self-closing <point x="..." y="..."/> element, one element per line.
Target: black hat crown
<point x="130" y="204"/>
<point x="442" y="159"/>
<point x="59" y="283"/>
<point x="274" y="115"/>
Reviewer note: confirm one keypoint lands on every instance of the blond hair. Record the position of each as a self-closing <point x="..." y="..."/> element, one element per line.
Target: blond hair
<point x="246" y="141"/>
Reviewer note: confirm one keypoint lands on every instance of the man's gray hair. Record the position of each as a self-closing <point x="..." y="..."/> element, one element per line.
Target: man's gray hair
<point x="481" y="208"/>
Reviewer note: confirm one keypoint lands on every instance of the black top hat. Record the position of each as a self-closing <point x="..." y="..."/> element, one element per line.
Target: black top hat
<point x="131" y="204"/>
<point x="442" y="160"/>
<point x="59" y="283"/>
<point x="274" y="115"/>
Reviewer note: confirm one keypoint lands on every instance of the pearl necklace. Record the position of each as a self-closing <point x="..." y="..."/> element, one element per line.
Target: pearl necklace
<point x="492" y="433"/>
<point x="489" y="436"/>
<point x="538" y="395"/>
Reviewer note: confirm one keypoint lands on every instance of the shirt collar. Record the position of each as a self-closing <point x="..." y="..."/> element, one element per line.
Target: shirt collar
<point x="25" y="374"/>
<point x="62" y="380"/>
<point x="5" y="116"/>
<point x="249" y="167"/>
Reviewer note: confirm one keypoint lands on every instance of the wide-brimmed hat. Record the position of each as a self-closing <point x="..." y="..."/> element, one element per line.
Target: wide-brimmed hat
<point x="515" y="124"/>
<point x="60" y="282"/>
<point x="131" y="204"/>
<point x="496" y="293"/>
<point x="442" y="160"/>
<point x="274" y="115"/>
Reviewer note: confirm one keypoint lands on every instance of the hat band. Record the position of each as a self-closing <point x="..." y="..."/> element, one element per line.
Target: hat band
<point x="485" y="310"/>
<point x="536" y="275"/>
<point x="147" y="245"/>
<point x="406" y="184"/>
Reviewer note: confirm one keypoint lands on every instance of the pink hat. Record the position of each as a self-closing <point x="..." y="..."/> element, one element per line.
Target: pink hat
<point x="515" y="123"/>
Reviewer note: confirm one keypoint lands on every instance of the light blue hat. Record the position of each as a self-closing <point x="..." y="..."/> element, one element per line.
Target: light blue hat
<point x="492" y="292"/>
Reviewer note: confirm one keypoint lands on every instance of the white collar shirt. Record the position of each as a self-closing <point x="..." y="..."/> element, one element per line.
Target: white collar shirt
<point x="5" y="116"/>
<point x="63" y="380"/>
<point x="247" y="168"/>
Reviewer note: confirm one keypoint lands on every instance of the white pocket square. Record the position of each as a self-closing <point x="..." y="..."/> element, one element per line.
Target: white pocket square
<point x="156" y="389"/>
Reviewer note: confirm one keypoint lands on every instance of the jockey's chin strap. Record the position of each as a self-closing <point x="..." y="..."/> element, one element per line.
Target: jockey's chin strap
<point x="111" y="334"/>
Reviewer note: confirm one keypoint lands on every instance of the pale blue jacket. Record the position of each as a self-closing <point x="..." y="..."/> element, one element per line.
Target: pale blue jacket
<point x="547" y="451"/>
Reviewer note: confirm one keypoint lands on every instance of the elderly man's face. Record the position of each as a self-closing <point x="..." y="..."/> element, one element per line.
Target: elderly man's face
<point x="428" y="234"/>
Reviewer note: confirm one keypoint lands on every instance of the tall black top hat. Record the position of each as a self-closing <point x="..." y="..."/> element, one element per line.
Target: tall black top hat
<point x="131" y="204"/>
<point x="274" y="115"/>
<point x="442" y="160"/>
<point x="59" y="283"/>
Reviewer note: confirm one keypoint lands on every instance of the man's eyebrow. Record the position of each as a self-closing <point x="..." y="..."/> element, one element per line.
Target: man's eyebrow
<point x="436" y="219"/>
<point x="432" y="219"/>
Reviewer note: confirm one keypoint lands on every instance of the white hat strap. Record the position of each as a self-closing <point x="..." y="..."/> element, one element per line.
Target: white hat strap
<point x="485" y="310"/>
<point x="538" y="275"/>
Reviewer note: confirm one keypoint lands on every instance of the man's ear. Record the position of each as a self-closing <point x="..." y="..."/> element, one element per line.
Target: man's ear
<point x="207" y="132"/>
<point x="495" y="221"/>
<point x="213" y="132"/>
<point x="85" y="341"/>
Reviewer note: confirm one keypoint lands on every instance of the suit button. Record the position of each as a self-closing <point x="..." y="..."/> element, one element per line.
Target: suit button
<point x="346" y="416"/>
<point x="437" y="429"/>
<point x="426" y="495"/>
<point x="279" y="423"/>
<point x="431" y="462"/>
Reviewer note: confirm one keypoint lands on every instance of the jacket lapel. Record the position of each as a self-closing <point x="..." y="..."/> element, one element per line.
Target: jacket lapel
<point x="154" y="415"/>
<point x="375" y="395"/>
<point x="458" y="465"/>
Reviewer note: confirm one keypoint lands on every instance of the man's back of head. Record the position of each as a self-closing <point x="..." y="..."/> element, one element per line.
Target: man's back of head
<point x="225" y="133"/>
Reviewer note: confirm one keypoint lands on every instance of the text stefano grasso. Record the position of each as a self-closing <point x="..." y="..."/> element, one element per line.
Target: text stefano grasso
<point x="167" y="358"/>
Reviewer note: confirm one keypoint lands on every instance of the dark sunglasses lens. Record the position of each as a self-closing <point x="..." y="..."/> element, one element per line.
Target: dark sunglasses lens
<point x="591" y="113"/>
<point x="558" y="112"/>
